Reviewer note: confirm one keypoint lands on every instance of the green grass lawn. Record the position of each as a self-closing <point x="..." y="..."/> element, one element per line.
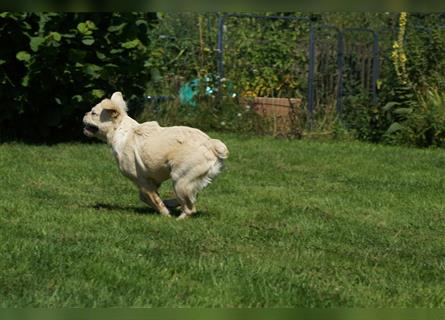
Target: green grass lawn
<point x="287" y="223"/>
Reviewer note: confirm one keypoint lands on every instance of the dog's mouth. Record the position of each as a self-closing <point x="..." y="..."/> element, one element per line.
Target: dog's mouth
<point x="90" y="129"/>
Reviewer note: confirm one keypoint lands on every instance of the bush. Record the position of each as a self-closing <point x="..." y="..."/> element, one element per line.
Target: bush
<point x="422" y="125"/>
<point x="364" y="120"/>
<point x="226" y="115"/>
<point x="55" y="66"/>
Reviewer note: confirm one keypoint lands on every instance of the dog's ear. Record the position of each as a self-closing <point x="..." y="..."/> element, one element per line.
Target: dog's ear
<point x="119" y="100"/>
<point x="111" y="108"/>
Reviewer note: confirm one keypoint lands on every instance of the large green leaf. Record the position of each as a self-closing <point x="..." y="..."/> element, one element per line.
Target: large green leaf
<point x="117" y="28"/>
<point x="403" y="110"/>
<point x="25" y="81"/>
<point x="141" y="21"/>
<point x="92" y="70"/>
<point x="35" y="43"/>
<point x="394" y="128"/>
<point x="88" y="41"/>
<point x="155" y="74"/>
<point x="23" y="56"/>
<point x="55" y="36"/>
<point x="111" y="65"/>
<point x="68" y="35"/>
<point x="97" y="93"/>
<point x="90" y="25"/>
<point x="114" y="51"/>
<point x="86" y="27"/>
<point x="131" y="44"/>
<point x="390" y="105"/>
<point x="101" y="56"/>
<point x="83" y="28"/>
<point x="77" y="98"/>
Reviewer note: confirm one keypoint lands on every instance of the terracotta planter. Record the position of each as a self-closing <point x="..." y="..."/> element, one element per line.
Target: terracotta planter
<point x="277" y="110"/>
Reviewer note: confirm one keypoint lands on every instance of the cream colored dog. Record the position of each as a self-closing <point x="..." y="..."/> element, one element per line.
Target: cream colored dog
<point x="149" y="154"/>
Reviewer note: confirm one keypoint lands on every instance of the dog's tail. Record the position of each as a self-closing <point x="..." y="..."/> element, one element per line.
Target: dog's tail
<point x="219" y="149"/>
<point x="221" y="152"/>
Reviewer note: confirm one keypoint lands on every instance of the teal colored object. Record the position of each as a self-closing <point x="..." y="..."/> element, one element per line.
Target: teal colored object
<point x="187" y="93"/>
<point x="189" y="90"/>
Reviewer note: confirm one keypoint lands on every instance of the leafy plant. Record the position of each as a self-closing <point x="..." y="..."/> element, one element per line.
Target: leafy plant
<point x="56" y="66"/>
<point x="230" y="115"/>
<point x="182" y="48"/>
<point x="422" y="125"/>
<point x="364" y="120"/>
<point x="266" y="57"/>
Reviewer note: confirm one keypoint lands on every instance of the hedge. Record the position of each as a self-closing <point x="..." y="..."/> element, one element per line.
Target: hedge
<point x="56" y="66"/>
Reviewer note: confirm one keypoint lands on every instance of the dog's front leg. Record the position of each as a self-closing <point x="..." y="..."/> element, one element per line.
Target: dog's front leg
<point x="150" y="196"/>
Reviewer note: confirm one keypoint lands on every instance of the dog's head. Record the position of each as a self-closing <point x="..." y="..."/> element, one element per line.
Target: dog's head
<point x="105" y="117"/>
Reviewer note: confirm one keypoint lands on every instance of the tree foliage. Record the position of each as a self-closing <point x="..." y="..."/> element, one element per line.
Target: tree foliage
<point x="55" y="66"/>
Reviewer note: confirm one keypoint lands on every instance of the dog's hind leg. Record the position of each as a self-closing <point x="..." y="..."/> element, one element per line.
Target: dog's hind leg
<point x="186" y="197"/>
<point x="149" y="194"/>
<point x="188" y="184"/>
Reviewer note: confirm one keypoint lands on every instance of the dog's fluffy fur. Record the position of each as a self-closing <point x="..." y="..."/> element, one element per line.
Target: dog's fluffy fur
<point x="149" y="154"/>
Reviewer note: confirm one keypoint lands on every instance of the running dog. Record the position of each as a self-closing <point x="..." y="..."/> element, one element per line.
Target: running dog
<point x="149" y="154"/>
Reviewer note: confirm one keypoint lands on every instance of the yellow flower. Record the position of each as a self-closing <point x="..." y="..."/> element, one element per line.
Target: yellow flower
<point x="403" y="58"/>
<point x="398" y="53"/>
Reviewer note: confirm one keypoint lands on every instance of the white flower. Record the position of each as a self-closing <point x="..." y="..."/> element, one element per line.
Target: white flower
<point x="239" y="114"/>
<point x="223" y="123"/>
<point x="247" y="107"/>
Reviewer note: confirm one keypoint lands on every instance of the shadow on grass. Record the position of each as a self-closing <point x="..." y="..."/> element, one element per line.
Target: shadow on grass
<point x="100" y="206"/>
<point x="175" y="212"/>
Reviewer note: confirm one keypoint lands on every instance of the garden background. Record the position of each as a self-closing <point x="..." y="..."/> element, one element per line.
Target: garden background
<point x="55" y="66"/>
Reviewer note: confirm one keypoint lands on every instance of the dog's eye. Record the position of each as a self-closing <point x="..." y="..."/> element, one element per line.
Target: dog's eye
<point x="93" y="113"/>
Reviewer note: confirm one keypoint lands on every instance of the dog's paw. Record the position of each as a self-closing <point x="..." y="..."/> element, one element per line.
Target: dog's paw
<point x="165" y="212"/>
<point x="183" y="216"/>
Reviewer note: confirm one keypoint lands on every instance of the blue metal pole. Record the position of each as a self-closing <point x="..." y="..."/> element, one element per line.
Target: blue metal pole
<point x="375" y="67"/>
<point x="220" y="47"/>
<point x="311" y="72"/>
<point x="340" y="65"/>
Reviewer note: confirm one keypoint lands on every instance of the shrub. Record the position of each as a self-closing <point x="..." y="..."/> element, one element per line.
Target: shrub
<point x="55" y="66"/>
<point x="364" y="120"/>
<point x="422" y="125"/>
<point x="227" y="115"/>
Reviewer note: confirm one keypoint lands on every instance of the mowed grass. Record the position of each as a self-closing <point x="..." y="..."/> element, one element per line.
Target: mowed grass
<point x="288" y="223"/>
